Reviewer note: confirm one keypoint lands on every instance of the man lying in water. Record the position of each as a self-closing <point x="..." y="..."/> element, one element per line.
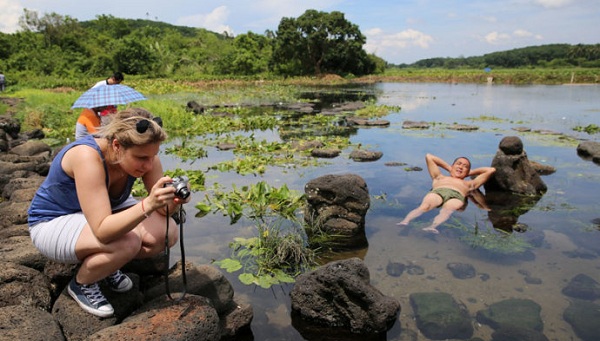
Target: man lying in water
<point x="448" y="192"/>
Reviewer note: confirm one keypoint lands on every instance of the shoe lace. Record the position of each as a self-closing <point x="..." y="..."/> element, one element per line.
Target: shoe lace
<point x="93" y="294"/>
<point x="115" y="279"/>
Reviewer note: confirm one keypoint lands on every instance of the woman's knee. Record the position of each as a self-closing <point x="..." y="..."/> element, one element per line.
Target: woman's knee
<point x="130" y="244"/>
<point x="173" y="234"/>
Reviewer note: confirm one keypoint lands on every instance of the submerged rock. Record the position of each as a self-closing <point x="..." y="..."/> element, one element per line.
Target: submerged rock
<point x="461" y="270"/>
<point x="582" y="286"/>
<point x="583" y="316"/>
<point x="440" y="317"/>
<point x="522" y="313"/>
<point x="395" y="269"/>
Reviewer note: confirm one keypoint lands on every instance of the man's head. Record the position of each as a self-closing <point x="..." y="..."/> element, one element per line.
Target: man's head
<point x="116" y="78"/>
<point x="460" y="167"/>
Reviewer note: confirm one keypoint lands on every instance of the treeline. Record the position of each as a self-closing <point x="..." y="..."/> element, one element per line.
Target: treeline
<point x="56" y="45"/>
<point x="553" y="56"/>
<point x="59" y="50"/>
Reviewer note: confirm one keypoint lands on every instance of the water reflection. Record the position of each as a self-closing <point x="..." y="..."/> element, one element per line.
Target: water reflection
<point x="505" y="208"/>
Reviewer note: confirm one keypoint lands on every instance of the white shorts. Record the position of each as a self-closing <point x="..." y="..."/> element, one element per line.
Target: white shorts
<point x="56" y="238"/>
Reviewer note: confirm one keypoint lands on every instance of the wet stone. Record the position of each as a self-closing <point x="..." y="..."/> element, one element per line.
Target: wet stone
<point x="533" y="280"/>
<point x="395" y="269"/>
<point x="582" y="286"/>
<point x="413" y="269"/>
<point x="461" y="270"/>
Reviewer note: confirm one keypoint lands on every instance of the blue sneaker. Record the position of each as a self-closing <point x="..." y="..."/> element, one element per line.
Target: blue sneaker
<point x="119" y="282"/>
<point x="90" y="298"/>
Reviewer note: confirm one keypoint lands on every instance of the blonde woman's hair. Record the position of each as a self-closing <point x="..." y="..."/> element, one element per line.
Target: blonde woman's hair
<point x="123" y="127"/>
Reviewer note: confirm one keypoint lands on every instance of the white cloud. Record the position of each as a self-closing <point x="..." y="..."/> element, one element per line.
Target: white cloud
<point x="213" y="21"/>
<point x="389" y="45"/>
<point x="496" y="38"/>
<point x="404" y="38"/>
<point x="522" y="33"/>
<point x="553" y="3"/>
<point x="9" y="15"/>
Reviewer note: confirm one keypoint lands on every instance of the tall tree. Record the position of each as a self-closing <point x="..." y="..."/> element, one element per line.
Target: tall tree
<point x="320" y="42"/>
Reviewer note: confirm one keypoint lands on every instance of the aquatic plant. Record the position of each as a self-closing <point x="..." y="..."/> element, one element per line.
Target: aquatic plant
<point x="491" y="239"/>
<point x="590" y="129"/>
<point x="279" y="250"/>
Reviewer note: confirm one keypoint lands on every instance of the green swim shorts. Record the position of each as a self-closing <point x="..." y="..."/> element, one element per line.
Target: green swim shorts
<point x="447" y="194"/>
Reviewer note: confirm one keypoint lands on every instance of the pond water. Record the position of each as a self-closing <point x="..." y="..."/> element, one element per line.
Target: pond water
<point x="566" y="216"/>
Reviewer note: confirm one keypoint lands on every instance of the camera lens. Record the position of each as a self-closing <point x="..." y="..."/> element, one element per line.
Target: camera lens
<point x="183" y="193"/>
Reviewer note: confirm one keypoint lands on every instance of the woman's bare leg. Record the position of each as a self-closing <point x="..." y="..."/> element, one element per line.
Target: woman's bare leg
<point x="101" y="260"/>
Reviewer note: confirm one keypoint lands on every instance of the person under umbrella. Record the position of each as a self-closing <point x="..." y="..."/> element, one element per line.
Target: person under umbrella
<point x="91" y="119"/>
<point x="98" y="103"/>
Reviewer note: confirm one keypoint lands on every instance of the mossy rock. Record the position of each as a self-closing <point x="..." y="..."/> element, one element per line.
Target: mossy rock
<point x="440" y="317"/>
<point x="513" y="312"/>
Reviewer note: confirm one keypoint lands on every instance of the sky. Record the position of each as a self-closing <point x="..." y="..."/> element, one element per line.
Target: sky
<point x="399" y="31"/>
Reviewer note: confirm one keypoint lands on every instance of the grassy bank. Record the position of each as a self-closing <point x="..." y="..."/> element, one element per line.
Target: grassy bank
<point x="498" y="76"/>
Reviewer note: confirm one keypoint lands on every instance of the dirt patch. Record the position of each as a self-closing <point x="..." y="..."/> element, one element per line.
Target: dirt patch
<point x="12" y="102"/>
<point x="61" y="90"/>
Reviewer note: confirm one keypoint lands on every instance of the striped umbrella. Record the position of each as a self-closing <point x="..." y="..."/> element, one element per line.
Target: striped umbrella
<point x="102" y="96"/>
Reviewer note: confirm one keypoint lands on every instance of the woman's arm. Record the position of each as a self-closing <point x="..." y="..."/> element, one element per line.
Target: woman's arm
<point x="85" y="165"/>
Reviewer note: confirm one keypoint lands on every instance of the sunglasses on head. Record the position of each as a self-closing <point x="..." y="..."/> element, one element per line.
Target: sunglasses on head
<point x="142" y="125"/>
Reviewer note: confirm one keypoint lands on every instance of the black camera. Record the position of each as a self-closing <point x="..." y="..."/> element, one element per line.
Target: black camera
<point x="181" y="186"/>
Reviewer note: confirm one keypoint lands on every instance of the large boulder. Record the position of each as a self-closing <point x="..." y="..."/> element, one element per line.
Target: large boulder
<point x="338" y="204"/>
<point x="514" y="173"/>
<point x="22" y="322"/>
<point x="339" y="295"/>
<point x="192" y="318"/>
<point x="589" y="150"/>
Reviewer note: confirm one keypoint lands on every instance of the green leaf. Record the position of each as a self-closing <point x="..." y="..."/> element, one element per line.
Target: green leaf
<point x="228" y="264"/>
<point x="283" y="277"/>
<point x="265" y="281"/>
<point x="203" y="209"/>
<point x="247" y="278"/>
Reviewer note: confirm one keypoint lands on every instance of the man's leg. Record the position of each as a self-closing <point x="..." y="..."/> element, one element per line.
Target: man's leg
<point x="430" y="201"/>
<point x="445" y="212"/>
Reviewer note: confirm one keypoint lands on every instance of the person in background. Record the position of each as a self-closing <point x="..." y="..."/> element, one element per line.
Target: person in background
<point x="83" y="212"/>
<point x="2" y="82"/>
<point x="91" y="119"/>
<point x="449" y="193"/>
<point x="116" y="78"/>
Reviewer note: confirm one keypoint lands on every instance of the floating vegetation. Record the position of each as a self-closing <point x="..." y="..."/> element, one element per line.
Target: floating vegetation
<point x="590" y="129"/>
<point x="491" y="239"/>
<point x="486" y="118"/>
<point x="373" y="110"/>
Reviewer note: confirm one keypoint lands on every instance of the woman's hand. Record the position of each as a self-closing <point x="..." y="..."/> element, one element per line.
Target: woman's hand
<point x="162" y="196"/>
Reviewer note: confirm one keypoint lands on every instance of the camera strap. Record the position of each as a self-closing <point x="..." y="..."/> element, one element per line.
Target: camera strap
<point x="179" y="217"/>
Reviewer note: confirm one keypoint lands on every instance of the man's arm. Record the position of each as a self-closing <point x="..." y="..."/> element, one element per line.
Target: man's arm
<point x="433" y="165"/>
<point x="482" y="175"/>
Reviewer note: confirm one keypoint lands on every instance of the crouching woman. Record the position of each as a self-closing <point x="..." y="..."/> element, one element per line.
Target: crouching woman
<point x="84" y="212"/>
